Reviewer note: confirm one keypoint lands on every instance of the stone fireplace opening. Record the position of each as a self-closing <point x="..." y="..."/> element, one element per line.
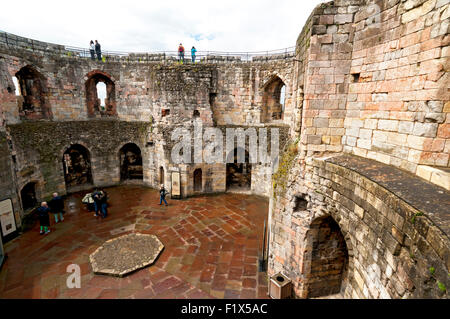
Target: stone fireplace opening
<point x="28" y="196"/>
<point x="31" y="94"/>
<point x="77" y="166"/>
<point x="130" y="162"/>
<point x="328" y="254"/>
<point x="273" y="100"/>
<point x="239" y="175"/>
<point x="100" y="95"/>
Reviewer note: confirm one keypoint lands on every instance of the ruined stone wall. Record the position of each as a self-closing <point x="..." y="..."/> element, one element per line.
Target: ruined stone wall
<point x="397" y="248"/>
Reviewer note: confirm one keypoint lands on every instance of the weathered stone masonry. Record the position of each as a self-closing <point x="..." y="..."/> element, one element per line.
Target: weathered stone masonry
<point x="363" y="209"/>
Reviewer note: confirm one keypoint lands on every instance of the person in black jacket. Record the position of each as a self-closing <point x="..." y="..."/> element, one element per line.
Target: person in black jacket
<point x="57" y="207"/>
<point x="44" y="219"/>
<point x="101" y="202"/>
<point x="162" y="195"/>
<point x="98" y="50"/>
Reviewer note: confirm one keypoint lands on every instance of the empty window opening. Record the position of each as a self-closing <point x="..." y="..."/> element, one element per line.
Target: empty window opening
<point x="300" y="203"/>
<point x="77" y="166"/>
<point x="100" y="95"/>
<point x="274" y="98"/>
<point x="355" y="77"/>
<point x="28" y="196"/>
<point x="196" y="113"/>
<point x="212" y="98"/>
<point x="198" y="180"/>
<point x="130" y="162"/>
<point x="239" y="175"/>
<point x="31" y="88"/>
<point x="165" y="112"/>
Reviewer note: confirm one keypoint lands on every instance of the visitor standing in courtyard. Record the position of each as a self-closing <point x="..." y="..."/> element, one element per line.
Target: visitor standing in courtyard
<point x="162" y="195"/>
<point x="193" y="51"/>
<point x="92" y="50"/>
<point x="44" y="218"/>
<point x="98" y="50"/>
<point x="57" y="207"/>
<point x="100" y="202"/>
<point x="181" y="53"/>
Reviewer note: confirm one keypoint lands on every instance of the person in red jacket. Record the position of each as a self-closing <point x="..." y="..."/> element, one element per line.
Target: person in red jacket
<point x="181" y="53"/>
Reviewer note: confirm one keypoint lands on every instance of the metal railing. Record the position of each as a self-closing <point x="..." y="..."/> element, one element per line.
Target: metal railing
<point x="11" y="40"/>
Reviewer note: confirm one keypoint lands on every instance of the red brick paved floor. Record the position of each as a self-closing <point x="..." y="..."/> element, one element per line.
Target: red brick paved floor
<point x="211" y="249"/>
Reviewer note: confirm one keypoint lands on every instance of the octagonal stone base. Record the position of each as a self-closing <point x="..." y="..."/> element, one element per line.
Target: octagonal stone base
<point x="125" y="254"/>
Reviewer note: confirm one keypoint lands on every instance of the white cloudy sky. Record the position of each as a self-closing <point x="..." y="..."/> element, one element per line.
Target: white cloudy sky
<point x="145" y="26"/>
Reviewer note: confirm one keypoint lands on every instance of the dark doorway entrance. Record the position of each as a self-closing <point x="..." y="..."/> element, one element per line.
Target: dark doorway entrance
<point x="239" y="175"/>
<point x="28" y="195"/>
<point x="198" y="180"/>
<point x="77" y="166"/>
<point x="130" y="162"/>
<point x="161" y="175"/>
<point x="329" y="258"/>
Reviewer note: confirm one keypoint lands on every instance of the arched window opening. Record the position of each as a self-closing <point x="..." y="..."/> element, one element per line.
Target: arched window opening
<point x="28" y="196"/>
<point x="274" y="97"/>
<point x="131" y="162"/>
<point x="31" y="90"/>
<point x="239" y="175"/>
<point x="329" y="258"/>
<point x="100" y="95"/>
<point x="77" y="166"/>
<point x="198" y="180"/>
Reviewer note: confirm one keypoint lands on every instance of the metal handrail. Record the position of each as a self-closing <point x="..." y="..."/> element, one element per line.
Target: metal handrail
<point x="9" y="39"/>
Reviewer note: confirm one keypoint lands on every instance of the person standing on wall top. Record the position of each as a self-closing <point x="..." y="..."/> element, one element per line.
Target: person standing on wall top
<point x="92" y="50"/>
<point x="193" y="51"/>
<point x="98" y="50"/>
<point x="181" y="53"/>
<point x="57" y="207"/>
<point x="44" y="219"/>
<point x="162" y="195"/>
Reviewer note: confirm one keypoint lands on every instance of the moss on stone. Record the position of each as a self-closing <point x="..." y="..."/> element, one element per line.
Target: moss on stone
<point x="279" y="178"/>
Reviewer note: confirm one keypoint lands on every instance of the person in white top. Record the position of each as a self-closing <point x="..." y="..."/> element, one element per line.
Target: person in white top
<point x="92" y="49"/>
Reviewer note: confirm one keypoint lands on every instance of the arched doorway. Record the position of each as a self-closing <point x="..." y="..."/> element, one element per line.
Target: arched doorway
<point x="198" y="180"/>
<point x="239" y="175"/>
<point x="77" y="166"/>
<point x="273" y="100"/>
<point x="130" y="162"/>
<point x="161" y="175"/>
<point x="28" y="196"/>
<point x="329" y="258"/>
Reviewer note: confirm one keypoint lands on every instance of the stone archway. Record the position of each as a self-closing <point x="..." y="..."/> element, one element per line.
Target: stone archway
<point x="239" y="174"/>
<point x="28" y="196"/>
<point x="32" y="90"/>
<point x="130" y="162"/>
<point x="77" y="166"/>
<point x="328" y="258"/>
<point x="198" y="180"/>
<point x="98" y="105"/>
<point x="273" y="100"/>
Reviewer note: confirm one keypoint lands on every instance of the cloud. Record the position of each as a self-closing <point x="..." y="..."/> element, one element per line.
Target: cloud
<point x="148" y="26"/>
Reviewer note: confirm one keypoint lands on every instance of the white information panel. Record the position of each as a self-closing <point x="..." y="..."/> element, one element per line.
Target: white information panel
<point x="176" y="191"/>
<point x="7" y="220"/>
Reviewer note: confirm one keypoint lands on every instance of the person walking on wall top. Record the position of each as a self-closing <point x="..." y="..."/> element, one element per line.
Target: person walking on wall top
<point x="57" y="207"/>
<point x="193" y="51"/>
<point x="162" y="195"/>
<point x="181" y="53"/>
<point x="92" y="50"/>
<point x="98" y="50"/>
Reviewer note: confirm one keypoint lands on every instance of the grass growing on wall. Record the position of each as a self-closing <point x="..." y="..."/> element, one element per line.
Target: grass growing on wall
<point x="279" y="178"/>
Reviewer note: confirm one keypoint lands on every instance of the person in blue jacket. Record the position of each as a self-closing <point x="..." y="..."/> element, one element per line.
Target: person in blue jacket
<point x="193" y="51"/>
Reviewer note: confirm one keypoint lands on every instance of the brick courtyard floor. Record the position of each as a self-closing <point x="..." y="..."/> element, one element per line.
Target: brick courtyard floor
<point x="211" y="249"/>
